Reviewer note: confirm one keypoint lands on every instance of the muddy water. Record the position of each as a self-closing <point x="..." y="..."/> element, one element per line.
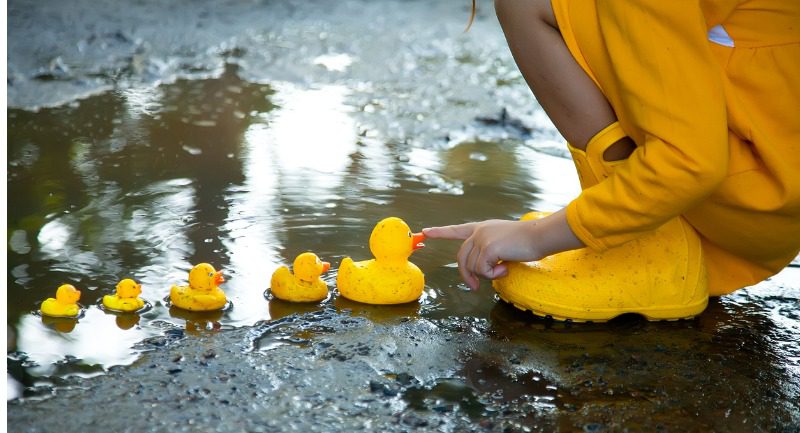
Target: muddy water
<point x="287" y="137"/>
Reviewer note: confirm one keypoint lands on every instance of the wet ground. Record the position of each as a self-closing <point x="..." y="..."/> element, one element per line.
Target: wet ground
<point x="143" y="141"/>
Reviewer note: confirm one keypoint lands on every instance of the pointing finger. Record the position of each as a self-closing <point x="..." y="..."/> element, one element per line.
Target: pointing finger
<point x="456" y="232"/>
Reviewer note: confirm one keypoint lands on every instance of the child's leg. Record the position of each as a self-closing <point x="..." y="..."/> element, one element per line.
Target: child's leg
<point x="569" y="97"/>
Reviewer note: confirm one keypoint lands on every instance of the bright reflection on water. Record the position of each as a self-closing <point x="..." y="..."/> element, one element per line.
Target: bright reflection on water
<point x="297" y="156"/>
<point x="79" y="339"/>
<point x="334" y="62"/>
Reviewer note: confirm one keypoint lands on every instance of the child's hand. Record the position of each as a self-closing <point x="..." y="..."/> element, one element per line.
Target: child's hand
<point x="487" y="243"/>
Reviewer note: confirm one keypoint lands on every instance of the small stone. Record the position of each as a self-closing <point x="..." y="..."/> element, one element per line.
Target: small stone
<point x="375" y="386"/>
<point x="414" y="421"/>
<point x="404" y="379"/>
<point x="442" y="408"/>
<point x="592" y="428"/>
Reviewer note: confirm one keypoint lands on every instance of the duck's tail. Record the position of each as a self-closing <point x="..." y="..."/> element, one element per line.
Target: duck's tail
<point x="281" y="274"/>
<point x="175" y="291"/>
<point x="345" y="269"/>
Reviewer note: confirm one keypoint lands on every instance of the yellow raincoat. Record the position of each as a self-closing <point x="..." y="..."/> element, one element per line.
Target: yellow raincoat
<point x="710" y="93"/>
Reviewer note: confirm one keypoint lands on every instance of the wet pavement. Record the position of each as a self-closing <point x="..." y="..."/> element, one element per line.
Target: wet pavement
<point x="348" y="370"/>
<point x="241" y="135"/>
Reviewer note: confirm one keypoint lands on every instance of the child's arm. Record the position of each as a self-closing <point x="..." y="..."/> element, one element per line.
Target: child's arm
<point x="488" y="242"/>
<point x="667" y="90"/>
<point x="653" y="60"/>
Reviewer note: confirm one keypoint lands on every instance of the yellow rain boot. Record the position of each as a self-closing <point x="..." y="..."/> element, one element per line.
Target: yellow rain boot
<point x="660" y="275"/>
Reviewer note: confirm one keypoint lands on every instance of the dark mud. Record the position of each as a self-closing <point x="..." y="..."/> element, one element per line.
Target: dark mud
<point x="146" y="138"/>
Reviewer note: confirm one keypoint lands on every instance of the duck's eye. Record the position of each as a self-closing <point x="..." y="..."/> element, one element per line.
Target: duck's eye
<point x="210" y="274"/>
<point x="409" y="234"/>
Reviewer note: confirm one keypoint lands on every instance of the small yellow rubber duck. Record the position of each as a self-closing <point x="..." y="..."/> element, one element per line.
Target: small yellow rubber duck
<point x="127" y="297"/>
<point x="65" y="304"/>
<point x="305" y="285"/>
<point x="202" y="293"/>
<point x="389" y="278"/>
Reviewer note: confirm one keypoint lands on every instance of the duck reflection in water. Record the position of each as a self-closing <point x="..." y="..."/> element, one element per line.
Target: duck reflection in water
<point x="198" y="321"/>
<point x="61" y="324"/>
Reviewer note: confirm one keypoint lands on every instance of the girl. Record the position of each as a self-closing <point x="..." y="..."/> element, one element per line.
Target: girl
<point x="683" y="119"/>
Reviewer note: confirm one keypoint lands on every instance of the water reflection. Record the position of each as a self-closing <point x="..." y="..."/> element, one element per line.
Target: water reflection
<point x="93" y="339"/>
<point x="379" y="313"/>
<point x="311" y="133"/>
<point x="60" y="324"/>
<point x="127" y="321"/>
<point x="294" y="163"/>
<point x="121" y="185"/>
<point x="195" y="322"/>
<point x="279" y="309"/>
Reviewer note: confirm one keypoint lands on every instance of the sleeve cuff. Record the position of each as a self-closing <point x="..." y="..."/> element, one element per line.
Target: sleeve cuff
<point x="575" y="223"/>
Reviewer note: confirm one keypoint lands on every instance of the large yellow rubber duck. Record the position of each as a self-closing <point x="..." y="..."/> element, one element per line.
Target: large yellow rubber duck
<point x="305" y="285"/>
<point x="65" y="304"/>
<point x="202" y="293"/>
<point x="126" y="299"/>
<point x="389" y="278"/>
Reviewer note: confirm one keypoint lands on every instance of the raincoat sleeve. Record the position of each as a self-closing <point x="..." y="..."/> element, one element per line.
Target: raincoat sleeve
<point x="668" y="92"/>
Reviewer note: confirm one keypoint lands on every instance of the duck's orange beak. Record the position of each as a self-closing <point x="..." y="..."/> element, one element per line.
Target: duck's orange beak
<point x="416" y="241"/>
<point x="218" y="278"/>
<point x="325" y="267"/>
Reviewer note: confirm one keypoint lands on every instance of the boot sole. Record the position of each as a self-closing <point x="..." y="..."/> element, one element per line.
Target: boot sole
<point x="562" y="314"/>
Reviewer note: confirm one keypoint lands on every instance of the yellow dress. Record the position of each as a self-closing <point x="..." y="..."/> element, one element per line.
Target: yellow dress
<point x="717" y="127"/>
